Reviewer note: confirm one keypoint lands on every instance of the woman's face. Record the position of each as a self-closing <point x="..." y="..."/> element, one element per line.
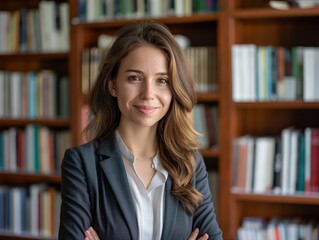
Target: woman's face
<point x="142" y="87"/>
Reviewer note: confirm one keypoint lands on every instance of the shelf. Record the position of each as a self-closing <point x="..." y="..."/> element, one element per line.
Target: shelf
<point x="34" y="61"/>
<point x="28" y="178"/>
<point x="116" y="23"/>
<point x="208" y="97"/>
<point x="8" y="236"/>
<point x="59" y="123"/>
<point x="308" y="198"/>
<point x="273" y="13"/>
<point x="39" y="56"/>
<point x="210" y="153"/>
<point x="278" y="105"/>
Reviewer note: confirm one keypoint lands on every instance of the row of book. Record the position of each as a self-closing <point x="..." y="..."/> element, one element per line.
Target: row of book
<point x="266" y="73"/>
<point x="202" y="60"/>
<point x="203" y="65"/>
<point x="33" y="210"/>
<point x="254" y="228"/>
<point x="204" y="118"/>
<point x="41" y="94"/>
<point x="35" y="149"/>
<point x="92" y="10"/>
<point x="284" y="164"/>
<point x="45" y="29"/>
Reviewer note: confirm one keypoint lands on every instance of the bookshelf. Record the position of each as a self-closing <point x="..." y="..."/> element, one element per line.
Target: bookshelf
<point x="254" y="22"/>
<point x="24" y="54"/>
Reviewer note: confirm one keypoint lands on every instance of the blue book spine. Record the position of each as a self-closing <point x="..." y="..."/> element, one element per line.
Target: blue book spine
<point x="82" y="9"/>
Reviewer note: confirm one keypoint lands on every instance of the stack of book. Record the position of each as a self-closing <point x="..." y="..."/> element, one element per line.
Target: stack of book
<point x="45" y="29"/>
<point x="33" y="149"/>
<point x="32" y="95"/>
<point x="33" y="210"/>
<point x="94" y="10"/>
<point x="266" y="73"/>
<point x="254" y="228"/>
<point x="285" y="164"/>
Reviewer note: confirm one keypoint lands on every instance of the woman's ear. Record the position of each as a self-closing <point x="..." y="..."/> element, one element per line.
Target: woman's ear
<point x="111" y="86"/>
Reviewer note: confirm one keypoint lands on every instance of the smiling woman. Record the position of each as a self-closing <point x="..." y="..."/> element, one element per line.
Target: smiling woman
<point x="142" y="88"/>
<point x="141" y="176"/>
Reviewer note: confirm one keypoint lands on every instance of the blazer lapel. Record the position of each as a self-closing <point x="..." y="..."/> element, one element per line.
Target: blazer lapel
<point x="171" y="211"/>
<point x="114" y="170"/>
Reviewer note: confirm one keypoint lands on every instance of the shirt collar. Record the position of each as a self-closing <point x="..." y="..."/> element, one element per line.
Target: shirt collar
<point x="131" y="158"/>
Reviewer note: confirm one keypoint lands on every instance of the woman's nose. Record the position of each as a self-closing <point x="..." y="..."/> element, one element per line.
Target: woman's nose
<point x="147" y="91"/>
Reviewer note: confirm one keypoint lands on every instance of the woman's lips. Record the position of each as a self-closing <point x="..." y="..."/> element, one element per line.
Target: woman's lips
<point x="146" y="109"/>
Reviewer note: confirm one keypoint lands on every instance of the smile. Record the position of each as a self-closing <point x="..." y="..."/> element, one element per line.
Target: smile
<point x="146" y="109"/>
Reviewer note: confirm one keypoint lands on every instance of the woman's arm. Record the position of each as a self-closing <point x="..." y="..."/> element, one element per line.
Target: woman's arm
<point x="90" y="234"/>
<point x="204" y="218"/>
<point x="75" y="215"/>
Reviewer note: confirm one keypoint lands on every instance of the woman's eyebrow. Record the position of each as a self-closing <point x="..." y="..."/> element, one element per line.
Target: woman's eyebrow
<point x="141" y="72"/>
<point x="133" y="70"/>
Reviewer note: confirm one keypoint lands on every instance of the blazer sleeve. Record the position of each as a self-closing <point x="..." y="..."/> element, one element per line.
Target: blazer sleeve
<point x="75" y="215"/>
<point x="204" y="218"/>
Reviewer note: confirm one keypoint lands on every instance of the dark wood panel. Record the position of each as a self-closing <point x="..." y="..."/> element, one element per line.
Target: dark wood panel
<point x="35" y="62"/>
<point x="24" y="178"/>
<point x="303" y="199"/>
<point x="56" y="123"/>
<point x="290" y="31"/>
<point x="271" y="121"/>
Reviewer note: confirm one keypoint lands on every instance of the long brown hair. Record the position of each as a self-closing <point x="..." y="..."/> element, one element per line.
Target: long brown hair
<point x="176" y="136"/>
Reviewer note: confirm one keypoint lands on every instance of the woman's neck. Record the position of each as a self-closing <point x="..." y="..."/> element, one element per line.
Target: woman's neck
<point x="142" y="142"/>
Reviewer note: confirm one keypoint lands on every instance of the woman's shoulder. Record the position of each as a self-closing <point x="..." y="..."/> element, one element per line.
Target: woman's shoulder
<point x="85" y="146"/>
<point x="82" y="151"/>
<point x="94" y="146"/>
<point x="199" y="158"/>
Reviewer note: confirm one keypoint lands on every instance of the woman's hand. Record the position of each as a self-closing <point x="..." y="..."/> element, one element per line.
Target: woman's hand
<point x="91" y="234"/>
<point x="194" y="235"/>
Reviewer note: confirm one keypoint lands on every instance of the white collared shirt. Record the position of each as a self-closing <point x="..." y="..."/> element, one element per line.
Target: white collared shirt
<point x="148" y="202"/>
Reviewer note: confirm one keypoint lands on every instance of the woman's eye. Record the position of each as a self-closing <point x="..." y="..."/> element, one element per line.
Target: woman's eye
<point x="134" y="78"/>
<point x="163" y="80"/>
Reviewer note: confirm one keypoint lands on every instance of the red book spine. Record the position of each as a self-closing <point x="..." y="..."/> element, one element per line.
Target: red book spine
<point x="314" y="176"/>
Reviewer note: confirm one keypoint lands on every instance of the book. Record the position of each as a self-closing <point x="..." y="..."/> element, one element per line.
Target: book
<point x="295" y="135"/>
<point x="200" y="125"/>
<point x="314" y="174"/>
<point x="243" y="163"/>
<point x="277" y="183"/>
<point x="301" y="165"/>
<point x="35" y="190"/>
<point x="286" y="156"/>
<point x="307" y="159"/>
<point x="263" y="169"/>
<point x="287" y="4"/>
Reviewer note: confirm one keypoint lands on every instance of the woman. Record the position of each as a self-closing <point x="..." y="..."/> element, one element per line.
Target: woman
<point x="141" y="177"/>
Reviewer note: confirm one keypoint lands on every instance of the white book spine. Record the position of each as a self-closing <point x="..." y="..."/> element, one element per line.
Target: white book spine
<point x="286" y="156"/>
<point x="65" y="26"/>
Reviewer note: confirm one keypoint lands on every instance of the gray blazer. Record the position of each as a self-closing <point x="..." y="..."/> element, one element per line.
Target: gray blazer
<point x="95" y="192"/>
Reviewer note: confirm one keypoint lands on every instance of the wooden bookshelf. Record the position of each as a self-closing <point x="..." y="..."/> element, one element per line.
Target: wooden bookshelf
<point x="24" y="61"/>
<point x="254" y="22"/>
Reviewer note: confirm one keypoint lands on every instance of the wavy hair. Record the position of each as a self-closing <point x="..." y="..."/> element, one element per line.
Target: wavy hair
<point x="175" y="134"/>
